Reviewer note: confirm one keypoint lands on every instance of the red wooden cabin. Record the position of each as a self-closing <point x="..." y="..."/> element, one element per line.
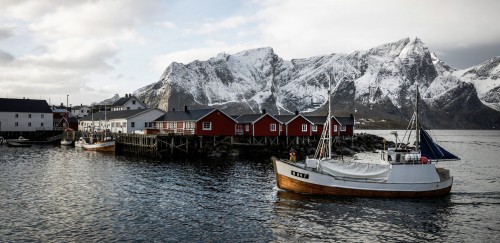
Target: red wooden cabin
<point x="258" y="125"/>
<point x="200" y="122"/>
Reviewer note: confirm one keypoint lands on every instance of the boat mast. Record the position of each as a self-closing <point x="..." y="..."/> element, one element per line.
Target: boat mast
<point x="417" y="129"/>
<point x="105" y="122"/>
<point x="330" y="118"/>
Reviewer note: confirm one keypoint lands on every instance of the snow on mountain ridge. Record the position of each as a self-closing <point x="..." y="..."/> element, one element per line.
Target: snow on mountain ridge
<point x="251" y="80"/>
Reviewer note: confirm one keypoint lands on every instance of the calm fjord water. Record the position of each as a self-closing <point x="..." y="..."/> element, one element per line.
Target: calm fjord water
<point x="63" y="194"/>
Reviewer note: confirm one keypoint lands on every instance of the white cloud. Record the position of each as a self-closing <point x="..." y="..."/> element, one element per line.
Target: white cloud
<point x="5" y="57"/>
<point x="229" y="23"/>
<point x="303" y="28"/>
<point x="168" y="25"/>
<point x="159" y="63"/>
<point x="89" y="19"/>
<point x="75" y="53"/>
<point x="6" y="31"/>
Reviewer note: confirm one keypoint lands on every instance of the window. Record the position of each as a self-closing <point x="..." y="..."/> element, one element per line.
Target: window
<point x="207" y="126"/>
<point x="273" y="127"/>
<point x="42" y="115"/>
<point x="17" y="115"/>
<point x="334" y="128"/>
<point x="16" y="124"/>
<point x="314" y="128"/>
<point x="42" y="125"/>
<point x="29" y="124"/>
<point x="189" y="125"/>
<point x="29" y="115"/>
<point x="342" y="128"/>
<point x="247" y="127"/>
<point x="304" y="127"/>
<point x="128" y="108"/>
<point x="172" y="125"/>
<point x="132" y="124"/>
<point x="133" y="102"/>
<point x="146" y="124"/>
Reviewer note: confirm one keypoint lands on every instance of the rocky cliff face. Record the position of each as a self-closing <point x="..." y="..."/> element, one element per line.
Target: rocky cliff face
<point x="378" y="83"/>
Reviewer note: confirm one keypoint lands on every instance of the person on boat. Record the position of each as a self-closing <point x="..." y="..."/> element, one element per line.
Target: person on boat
<point x="293" y="154"/>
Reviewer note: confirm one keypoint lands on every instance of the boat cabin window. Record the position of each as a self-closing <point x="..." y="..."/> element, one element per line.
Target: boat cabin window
<point x="398" y="157"/>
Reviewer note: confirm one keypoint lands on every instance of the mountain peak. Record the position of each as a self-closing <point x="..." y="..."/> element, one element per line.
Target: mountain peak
<point x="381" y="79"/>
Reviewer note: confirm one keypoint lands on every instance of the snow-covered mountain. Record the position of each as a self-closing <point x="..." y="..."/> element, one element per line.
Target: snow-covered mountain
<point x="377" y="83"/>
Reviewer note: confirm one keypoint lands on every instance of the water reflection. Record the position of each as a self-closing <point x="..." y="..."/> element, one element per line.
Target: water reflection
<point x="359" y="218"/>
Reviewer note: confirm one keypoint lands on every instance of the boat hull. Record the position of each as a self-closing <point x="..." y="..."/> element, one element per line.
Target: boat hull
<point x="296" y="179"/>
<point x="108" y="146"/>
<point x="66" y="142"/>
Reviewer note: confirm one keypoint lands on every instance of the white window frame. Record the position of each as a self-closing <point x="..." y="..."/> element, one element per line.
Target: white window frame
<point x="272" y="127"/>
<point x="304" y="127"/>
<point x="334" y="128"/>
<point x="206" y="126"/>
<point x="343" y="128"/>
<point x="314" y="128"/>
<point x="247" y="127"/>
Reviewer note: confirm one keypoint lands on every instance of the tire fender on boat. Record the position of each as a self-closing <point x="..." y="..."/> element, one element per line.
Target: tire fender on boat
<point x="424" y="160"/>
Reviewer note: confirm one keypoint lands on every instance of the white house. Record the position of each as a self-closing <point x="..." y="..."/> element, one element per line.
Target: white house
<point x="124" y="121"/>
<point x="19" y="115"/>
<point x="80" y="111"/>
<point x="128" y="102"/>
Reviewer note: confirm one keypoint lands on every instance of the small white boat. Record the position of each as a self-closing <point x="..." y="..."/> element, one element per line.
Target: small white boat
<point x="66" y="142"/>
<point x="395" y="172"/>
<point x="81" y="142"/>
<point x="104" y="146"/>
<point x="67" y="139"/>
<point x="21" y="139"/>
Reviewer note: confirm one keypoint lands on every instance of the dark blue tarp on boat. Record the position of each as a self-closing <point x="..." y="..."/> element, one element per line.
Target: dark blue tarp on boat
<point x="431" y="150"/>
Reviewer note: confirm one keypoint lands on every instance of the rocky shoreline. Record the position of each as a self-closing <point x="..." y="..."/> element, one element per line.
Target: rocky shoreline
<point x="346" y="146"/>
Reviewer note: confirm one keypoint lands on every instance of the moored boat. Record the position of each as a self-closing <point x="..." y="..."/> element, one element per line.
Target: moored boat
<point x="67" y="139"/>
<point x="99" y="141"/>
<point x="107" y="145"/>
<point x="81" y="141"/>
<point x="401" y="171"/>
<point x="16" y="144"/>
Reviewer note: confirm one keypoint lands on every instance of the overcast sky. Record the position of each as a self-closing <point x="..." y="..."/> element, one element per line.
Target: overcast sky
<point x="91" y="50"/>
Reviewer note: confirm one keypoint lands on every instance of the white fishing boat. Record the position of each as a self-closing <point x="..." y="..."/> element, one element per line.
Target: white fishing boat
<point x="81" y="141"/>
<point x="100" y="141"/>
<point x="108" y="145"/>
<point x="401" y="171"/>
<point x="67" y="139"/>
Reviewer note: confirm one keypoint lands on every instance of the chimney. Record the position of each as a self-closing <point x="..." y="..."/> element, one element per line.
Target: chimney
<point x="351" y="116"/>
<point x="185" y="108"/>
<point x="130" y="95"/>
<point x="296" y="112"/>
<point x="263" y="111"/>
